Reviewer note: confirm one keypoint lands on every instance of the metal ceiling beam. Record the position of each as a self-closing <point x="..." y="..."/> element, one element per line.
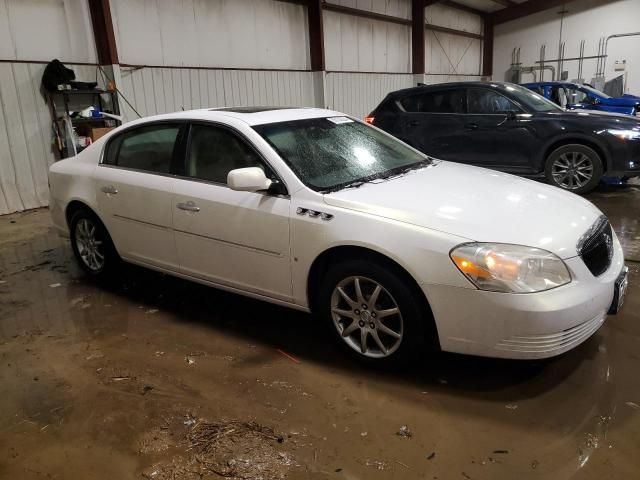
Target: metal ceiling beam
<point x="505" y="3"/>
<point x="356" y="12"/>
<point x="453" y="31"/>
<point x="487" y="47"/>
<point x="459" y="6"/>
<point x="524" y="9"/>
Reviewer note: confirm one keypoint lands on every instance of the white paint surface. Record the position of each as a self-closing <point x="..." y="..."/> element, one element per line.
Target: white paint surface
<point x="587" y="20"/>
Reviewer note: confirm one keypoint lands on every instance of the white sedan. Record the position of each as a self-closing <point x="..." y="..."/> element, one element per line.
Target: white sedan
<point x="317" y="211"/>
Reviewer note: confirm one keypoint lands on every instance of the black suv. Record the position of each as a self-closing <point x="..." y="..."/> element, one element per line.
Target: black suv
<point x="510" y="128"/>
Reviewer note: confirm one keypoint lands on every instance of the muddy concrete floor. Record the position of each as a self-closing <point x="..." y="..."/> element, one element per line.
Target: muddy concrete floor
<point x="155" y="377"/>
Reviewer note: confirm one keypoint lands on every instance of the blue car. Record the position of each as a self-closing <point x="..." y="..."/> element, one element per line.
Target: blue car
<point x="574" y="96"/>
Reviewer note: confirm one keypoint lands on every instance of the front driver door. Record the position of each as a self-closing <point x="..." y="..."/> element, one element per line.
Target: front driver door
<point x="498" y="133"/>
<point x="232" y="238"/>
<point x="134" y="192"/>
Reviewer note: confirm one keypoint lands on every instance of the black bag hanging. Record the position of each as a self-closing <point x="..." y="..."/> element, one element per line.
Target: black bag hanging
<point x="55" y="73"/>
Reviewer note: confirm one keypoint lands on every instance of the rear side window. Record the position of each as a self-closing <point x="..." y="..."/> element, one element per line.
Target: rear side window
<point x="149" y="148"/>
<point x="486" y="101"/>
<point x="444" y="101"/>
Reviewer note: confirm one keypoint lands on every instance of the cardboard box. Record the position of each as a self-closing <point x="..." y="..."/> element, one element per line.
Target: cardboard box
<point x="97" y="132"/>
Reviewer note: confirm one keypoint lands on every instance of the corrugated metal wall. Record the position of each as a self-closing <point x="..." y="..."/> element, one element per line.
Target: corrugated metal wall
<point x="25" y="135"/>
<point x="359" y="93"/>
<point x="162" y="90"/>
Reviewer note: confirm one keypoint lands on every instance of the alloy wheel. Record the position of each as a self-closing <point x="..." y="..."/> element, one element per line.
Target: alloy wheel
<point x="367" y="317"/>
<point x="90" y="247"/>
<point x="572" y="170"/>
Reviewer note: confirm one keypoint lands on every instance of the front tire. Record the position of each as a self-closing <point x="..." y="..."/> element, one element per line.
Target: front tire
<point x="374" y="313"/>
<point x="92" y="245"/>
<point x="576" y="168"/>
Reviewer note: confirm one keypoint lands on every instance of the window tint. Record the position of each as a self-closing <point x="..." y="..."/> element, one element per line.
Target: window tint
<point x="214" y="152"/>
<point x="483" y="100"/>
<point x="445" y="101"/>
<point x="146" y="148"/>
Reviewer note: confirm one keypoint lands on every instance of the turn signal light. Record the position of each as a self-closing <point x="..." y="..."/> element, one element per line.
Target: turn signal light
<point x="470" y="268"/>
<point x="369" y="120"/>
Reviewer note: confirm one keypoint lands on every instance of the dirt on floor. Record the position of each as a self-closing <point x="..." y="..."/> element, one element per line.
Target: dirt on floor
<point x="159" y="378"/>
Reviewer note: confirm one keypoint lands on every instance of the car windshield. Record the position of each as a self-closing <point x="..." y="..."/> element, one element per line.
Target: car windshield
<point x="336" y="152"/>
<point x="531" y="99"/>
<point x="595" y="92"/>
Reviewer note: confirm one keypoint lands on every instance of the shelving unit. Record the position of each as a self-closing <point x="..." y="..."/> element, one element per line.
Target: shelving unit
<point x="64" y="105"/>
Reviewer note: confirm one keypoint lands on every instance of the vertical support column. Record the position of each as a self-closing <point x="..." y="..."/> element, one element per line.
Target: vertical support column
<point x="417" y="40"/>
<point x="103" y="34"/>
<point x="487" y="47"/>
<point x="316" y="51"/>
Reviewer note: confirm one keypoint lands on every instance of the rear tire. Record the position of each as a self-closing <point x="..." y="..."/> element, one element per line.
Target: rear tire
<point x="374" y="313"/>
<point x="575" y="168"/>
<point x="92" y="245"/>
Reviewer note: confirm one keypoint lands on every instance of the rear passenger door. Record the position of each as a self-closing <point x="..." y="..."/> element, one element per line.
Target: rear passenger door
<point x="433" y="121"/>
<point x="134" y="189"/>
<point x="238" y="239"/>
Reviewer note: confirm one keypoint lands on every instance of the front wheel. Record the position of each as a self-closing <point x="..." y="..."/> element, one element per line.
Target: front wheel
<point x="576" y="168"/>
<point x="373" y="311"/>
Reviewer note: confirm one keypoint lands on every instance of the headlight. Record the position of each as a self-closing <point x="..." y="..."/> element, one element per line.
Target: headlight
<point x="625" y="134"/>
<point x="501" y="267"/>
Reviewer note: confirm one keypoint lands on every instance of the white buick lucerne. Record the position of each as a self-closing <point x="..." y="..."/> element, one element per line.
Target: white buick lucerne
<point x="318" y="211"/>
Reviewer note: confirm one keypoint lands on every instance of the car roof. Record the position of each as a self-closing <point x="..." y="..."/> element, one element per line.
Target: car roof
<point x="248" y="115"/>
<point x="438" y="86"/>
<point x="553" y="82"/>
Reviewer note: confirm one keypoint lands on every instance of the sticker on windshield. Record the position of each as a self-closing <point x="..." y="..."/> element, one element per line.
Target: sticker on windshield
<point x="339" y="120"/>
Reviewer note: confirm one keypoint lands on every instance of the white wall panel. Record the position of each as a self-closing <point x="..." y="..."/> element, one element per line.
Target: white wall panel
<point x="361" y="44"/>
<point x="26" y="149"/>
<point x="359" y="93"/>
<point x="160" y="90"/>
<point x="46" y="29"/>
<point x="452" y="54"/>
<point x="587" y="20"/>
<point x="212" y="33"/>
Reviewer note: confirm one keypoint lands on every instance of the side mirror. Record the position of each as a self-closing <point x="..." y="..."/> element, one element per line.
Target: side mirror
<point x="250" y="179"/>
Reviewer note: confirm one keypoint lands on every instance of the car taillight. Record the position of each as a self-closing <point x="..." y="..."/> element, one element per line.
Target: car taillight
<point x="369" y="120"/>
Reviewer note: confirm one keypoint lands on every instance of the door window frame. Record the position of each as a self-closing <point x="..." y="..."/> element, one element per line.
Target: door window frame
<point x="178" y="149"/>
<point x="186" y="148"/>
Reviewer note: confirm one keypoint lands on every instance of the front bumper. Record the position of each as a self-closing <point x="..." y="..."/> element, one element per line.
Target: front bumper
<point x="525" y="326"/>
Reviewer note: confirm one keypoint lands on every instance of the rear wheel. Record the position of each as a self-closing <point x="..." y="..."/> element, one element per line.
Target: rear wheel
<point x="92" y="244"/>
<point x="373" y="312"/>
<point x="575" y="167"/>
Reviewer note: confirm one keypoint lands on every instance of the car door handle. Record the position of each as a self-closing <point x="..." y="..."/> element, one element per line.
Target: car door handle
<point x="414" y="123"/>
<point x="188" y="206"/>
<point x="109" y="189"/>
<point x="471" y="126"/>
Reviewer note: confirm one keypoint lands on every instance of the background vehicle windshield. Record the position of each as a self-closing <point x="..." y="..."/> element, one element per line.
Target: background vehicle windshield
<point x="595" y="92"/>
<point x="531" y="99"/>
<point x="330" y="153"/>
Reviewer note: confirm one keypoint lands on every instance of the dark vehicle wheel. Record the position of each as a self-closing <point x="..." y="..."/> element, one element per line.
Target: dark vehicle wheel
<point x="92" y="244"/>
<point x="373" y="312"/>
<point x="576" y="168"/>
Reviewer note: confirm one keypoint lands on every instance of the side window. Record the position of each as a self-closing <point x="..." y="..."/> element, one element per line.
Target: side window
<point x="444" y="101"/>
<point x="146" y="148"/>
<point x="215" y="151"/>
<point x="486" y="101"/>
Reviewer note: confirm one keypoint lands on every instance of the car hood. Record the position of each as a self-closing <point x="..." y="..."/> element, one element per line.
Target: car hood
<point x="477" y="204"/>
<point x="621" y="101"/>
<point x="615" y="119"/>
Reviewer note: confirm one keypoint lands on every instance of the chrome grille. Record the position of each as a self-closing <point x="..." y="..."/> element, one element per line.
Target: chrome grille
<point x="596" y="247"/>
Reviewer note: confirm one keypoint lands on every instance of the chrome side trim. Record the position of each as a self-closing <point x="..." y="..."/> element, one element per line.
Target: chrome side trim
<point x="234" y="244"/>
